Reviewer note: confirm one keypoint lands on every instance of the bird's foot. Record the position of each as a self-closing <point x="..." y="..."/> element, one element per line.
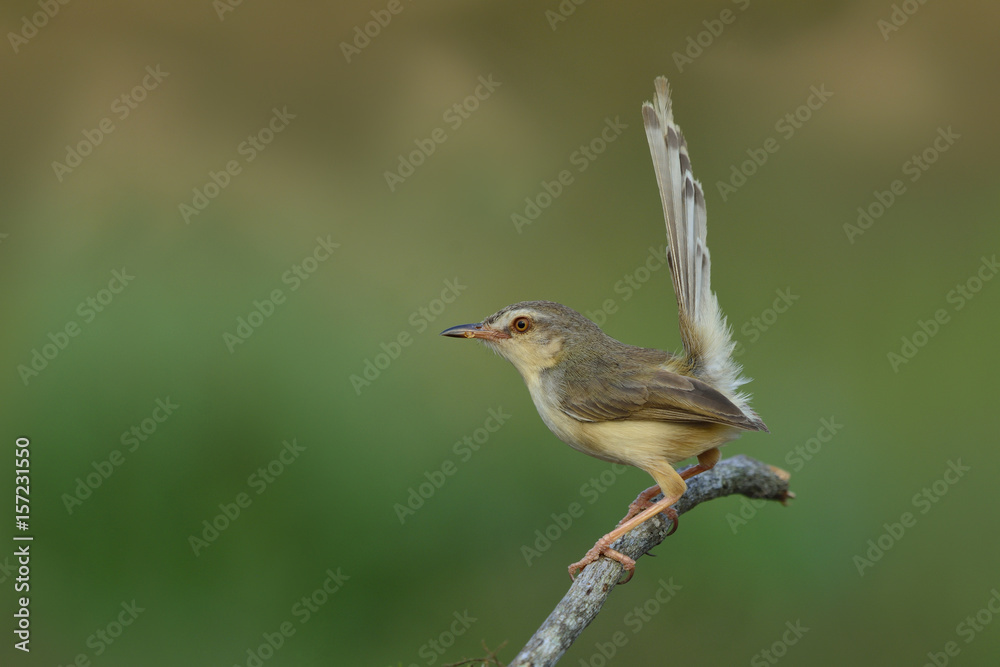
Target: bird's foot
<point x="602" y="548"/>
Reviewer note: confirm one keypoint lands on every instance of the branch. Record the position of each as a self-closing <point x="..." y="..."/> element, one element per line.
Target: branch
<point x="583" y="601"/>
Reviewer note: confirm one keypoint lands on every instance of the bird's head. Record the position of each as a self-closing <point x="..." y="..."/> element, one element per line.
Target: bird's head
<point x="533" y="335"/>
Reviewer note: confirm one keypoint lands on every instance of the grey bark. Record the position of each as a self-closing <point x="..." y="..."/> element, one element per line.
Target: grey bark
<point x="581" y="604"/>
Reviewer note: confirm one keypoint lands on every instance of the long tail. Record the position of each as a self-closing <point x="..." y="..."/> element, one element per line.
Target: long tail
<point x="705" y="334"/>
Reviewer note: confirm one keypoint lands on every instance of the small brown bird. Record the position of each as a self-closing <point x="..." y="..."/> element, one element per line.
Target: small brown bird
<point x="638" y="406"/>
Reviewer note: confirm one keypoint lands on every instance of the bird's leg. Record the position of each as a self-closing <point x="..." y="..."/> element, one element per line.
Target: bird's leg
<point x="643" y="508"/>
<point x="706" y="461"/>
<point x="668" y="480"/>
<point x="603" y="545"/>
<point x="643" y="501"/>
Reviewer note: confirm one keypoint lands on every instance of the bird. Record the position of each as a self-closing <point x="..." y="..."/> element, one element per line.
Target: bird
<point x="631" y="405"/>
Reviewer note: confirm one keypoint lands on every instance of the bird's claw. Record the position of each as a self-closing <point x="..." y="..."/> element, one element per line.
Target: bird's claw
<point x="671" y="514"/>
<point x="602" y="548"/>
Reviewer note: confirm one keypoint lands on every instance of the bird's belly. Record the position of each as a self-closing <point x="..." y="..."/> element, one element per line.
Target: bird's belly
<point x="647" y="444"/>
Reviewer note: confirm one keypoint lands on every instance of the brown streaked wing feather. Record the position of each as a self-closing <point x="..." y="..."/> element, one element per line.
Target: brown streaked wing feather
<point x="656" y="395"/>
<point x="597" y="400"/>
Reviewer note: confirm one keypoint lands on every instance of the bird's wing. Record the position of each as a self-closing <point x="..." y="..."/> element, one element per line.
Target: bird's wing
<point x="653" y="395"/>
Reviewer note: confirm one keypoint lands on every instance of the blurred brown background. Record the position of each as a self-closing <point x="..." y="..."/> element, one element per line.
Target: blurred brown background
<point x="258" y="117"/>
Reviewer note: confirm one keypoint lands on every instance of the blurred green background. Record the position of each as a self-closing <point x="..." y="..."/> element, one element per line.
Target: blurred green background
<point x="407" y="583"/>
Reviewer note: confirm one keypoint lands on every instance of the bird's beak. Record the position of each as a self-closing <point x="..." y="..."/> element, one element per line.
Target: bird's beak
<point x="475" y="331"/>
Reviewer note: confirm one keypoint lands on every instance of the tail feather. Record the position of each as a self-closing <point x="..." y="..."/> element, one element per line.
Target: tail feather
<point x="705" y="334"/>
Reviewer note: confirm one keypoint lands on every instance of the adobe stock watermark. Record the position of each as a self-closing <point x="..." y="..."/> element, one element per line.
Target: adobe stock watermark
<point x="103" y="637"/>
<point x="223" y="7"/>
<point x="635" y="619"/>
<point x="454" y="117"/>
<point x="248" y="150"/>
<point x="121" y="108"/>
<point x="432" y="650"/>
<point x="293" y="277"/>
<point x="957" y="297"/>
<point x="7" y="569"/>
<point x="796" y="460"/>
<point x="87" y="310"/>
<point x="786" y="127"/>
<point x="697" y="44"/>
<point x="579" y="160"/>
<point x="757" y="325"/>
<point x="923" y="501"/>
<point x="30" y="25"/>
<point x="967" y="630"/>
<point x="419" y="320"/>
<point x="464" y="449"/>
<point x="590" y="491"/>
<point x="804" y="453"/>
<point x="562" y="12"/>
<point x="898" y="17"/>
<point x="304" y="609"/>
<point x="916" y="166"/>
<point x="258" y="481"/>
<point x="779" y="649"/>
<point x="629" y="284"/>
<point x="364" y="33"/>
<point x="132" y="438"/>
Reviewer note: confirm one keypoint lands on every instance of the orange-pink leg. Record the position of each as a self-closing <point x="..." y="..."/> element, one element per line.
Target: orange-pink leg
<point x="643" y="509"/>
<point x="643" y="501"/>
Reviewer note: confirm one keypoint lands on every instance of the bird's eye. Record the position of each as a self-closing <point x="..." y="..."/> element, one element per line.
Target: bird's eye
<point x="521" y="324"/>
